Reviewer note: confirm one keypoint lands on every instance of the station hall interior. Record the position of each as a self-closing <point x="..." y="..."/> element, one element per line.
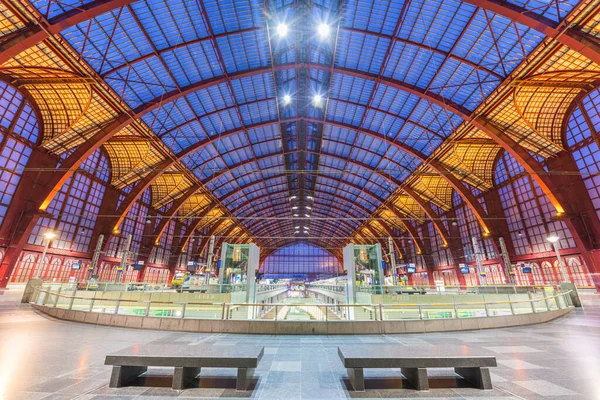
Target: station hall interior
<point x="339" y="198"/>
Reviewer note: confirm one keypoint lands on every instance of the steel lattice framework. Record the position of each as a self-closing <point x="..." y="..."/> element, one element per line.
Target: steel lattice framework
<point x="188" y="98"/>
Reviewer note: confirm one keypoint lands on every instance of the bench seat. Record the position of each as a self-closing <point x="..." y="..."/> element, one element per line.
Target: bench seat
<point x="413" y="362"/>
<point x="130" y="363"/>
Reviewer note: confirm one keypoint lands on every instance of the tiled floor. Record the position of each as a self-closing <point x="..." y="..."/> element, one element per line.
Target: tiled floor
<point x="48" y="359"/>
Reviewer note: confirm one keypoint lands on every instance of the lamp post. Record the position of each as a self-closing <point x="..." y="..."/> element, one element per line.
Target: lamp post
<point x="49" y="236"/>
<point x="554" y="240"/>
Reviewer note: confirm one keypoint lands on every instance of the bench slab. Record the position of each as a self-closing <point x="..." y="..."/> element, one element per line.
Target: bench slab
<point x="413" y="361"/>
<point x="188" y="361"/>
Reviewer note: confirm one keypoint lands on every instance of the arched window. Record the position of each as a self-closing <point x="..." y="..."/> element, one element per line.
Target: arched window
<point x="24" y="270"/>
<point x="300" y="258"/>
<point x="583" y="139"/>
<point x="469" y="227"/>
<point x="74" y="209"/>
<point x="528" y="211"/>
<point x="441" y="255"/>
<point x="18" y="135"/>
<point x="133" y="224"/>
<point x="162" y="251"/>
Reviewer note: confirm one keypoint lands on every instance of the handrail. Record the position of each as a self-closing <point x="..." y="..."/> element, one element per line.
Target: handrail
<point x="312" y="304"/>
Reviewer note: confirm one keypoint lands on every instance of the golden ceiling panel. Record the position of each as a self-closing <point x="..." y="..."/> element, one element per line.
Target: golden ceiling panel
<point x="98" y="115"/>
<point x="391" y="219"/>
<point x="62" y="98"/>
<point x="565" y="59"/>
<point x="544" y="100"/>
<point x="169" y="186"/>
<point x="435" y="189"/>
<point x="507" y="118"/>
<point x="376" y="227"/>
<point x="209" y="218"/>
<point x="408" y="206"/>
<point x="592" y="26"/>
<point x="476" y="158"/>
<point x="41" y="56"/>
<point x="194" y="204"/>
<point x="131" y="160"/>
<point x="9" y="22"/>
<point x="224" y="225"/>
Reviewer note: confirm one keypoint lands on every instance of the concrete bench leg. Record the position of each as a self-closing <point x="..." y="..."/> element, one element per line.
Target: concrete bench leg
<point x="244" y="375"/>
<point x="183" y="376"/>
<point x="479" y="377"/>
<point x="417" y="377"/>
<point x="357" y="378"/>
<point x="122" y="375"/>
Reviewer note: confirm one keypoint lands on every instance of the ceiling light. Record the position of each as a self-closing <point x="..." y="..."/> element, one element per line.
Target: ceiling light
<point x="308" y="207"/>
<point x="49" y="235"/>
<point x="295" y="208"/>
<point x="317" y="100"/>
<point x="287" y="99"/>
<point x="323" y="30"/>
<point x="307" y="216"/>
<point x="295" y="215"/>
<point x="292" y="197"/>
<point x="282" y="30"/>
<point x="296" y="227"/>
<point x="310" y="197"/>
<point x="305" y="227"/>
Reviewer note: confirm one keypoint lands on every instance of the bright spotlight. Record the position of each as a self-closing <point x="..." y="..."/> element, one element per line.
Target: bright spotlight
<point x="282" y="30"/>
<point x="287" y="99"/>
<point x="323" y="31"/>
<point x="317" y="100"/>
<point x="552" y="238"/>
<point x="49" y="235"/>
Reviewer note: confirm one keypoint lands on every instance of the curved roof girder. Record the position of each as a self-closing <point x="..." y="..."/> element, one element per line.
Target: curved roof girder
<point x="194" y="225"/>
<point x="530" y="164"/>
<point x="205" y="239"/>
<point x="389" y="230"/>
<point x="407" y="189"/>
<point x="456" y="184"/>
<point x="176" y="206"/>
<point x="34" y="34"/>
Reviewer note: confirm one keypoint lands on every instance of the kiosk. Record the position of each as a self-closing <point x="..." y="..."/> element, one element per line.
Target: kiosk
<point x="363" y="264"/>
<point x="237" y="272"/>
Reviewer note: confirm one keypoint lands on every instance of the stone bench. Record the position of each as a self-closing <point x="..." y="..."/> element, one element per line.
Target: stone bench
<point x="130" y="363"/>
<point x="413" y="362"/>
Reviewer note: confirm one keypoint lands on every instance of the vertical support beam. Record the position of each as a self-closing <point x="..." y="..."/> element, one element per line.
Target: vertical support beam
<point x="22" y="216"/>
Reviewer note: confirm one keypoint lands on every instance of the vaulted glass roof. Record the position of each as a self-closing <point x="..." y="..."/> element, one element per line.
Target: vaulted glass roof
<point x="293" y="111"/>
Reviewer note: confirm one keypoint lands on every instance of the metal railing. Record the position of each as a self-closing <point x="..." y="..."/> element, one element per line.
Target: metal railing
<point x="484" y="306"/>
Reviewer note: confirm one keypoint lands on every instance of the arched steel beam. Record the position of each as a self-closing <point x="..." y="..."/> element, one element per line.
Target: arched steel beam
<point x="410" y="229"/>
<point x="574" y="39"/>
<point x="32" y="35"/>
<point x="529" y="163"/>
<point x="179" y="46"/>
<point x="423" y="46"/>
<point x="176" y="206"/>
<point x="214" y="226"/>
<point x="219" y="241"/>
<point x="390" y="232"/>
<point x="36" y="33"/>
<point x="457" y="185"/>
<point x="319" y="223"/>
<point x="407" y="189"/>
<point x="195" y="224"/>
